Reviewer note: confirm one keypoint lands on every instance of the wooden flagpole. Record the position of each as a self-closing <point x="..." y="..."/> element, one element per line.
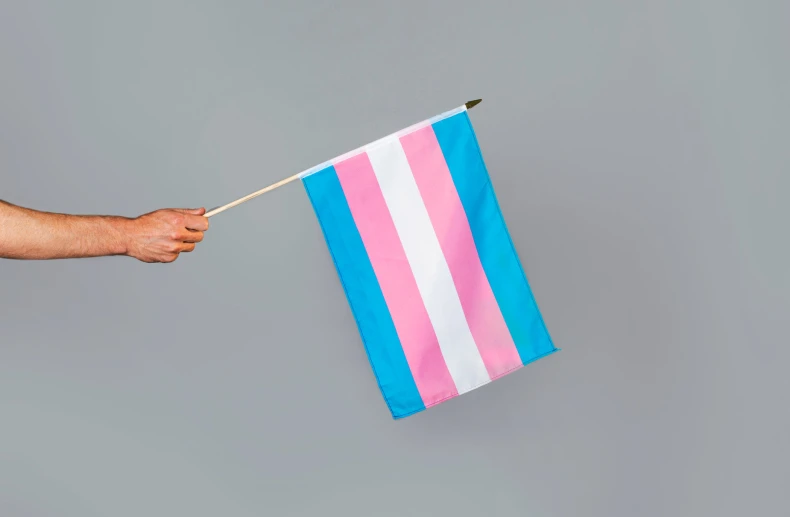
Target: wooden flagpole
<point x="215" y="211"/>
<point x="257" y="193"/>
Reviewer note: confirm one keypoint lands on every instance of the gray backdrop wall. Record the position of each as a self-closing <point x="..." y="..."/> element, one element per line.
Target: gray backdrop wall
<point x="639" y="152"/>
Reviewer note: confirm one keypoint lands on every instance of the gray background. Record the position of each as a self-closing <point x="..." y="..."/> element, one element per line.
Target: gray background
<point x="639" y="152"/>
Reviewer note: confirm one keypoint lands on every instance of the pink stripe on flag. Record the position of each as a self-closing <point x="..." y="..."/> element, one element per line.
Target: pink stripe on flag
<point x="384" y="248"/>
<point x="449" y="221"/>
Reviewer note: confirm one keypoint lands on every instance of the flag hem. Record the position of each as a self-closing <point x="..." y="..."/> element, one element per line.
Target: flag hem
<point x="383" y="140"/>
<point x="503" y="374"/>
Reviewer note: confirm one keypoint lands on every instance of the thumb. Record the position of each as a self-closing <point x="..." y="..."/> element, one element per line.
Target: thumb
<point x="193" y="211"/>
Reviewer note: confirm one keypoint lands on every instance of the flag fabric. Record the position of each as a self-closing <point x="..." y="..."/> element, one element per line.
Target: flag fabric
<point x="427" y="263"/>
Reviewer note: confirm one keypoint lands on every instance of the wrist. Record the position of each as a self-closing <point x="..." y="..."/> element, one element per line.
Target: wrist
<point x="122" y="235"/>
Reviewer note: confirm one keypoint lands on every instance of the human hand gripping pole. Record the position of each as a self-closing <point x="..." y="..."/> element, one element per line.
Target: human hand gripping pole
<point x="284" y="181"/>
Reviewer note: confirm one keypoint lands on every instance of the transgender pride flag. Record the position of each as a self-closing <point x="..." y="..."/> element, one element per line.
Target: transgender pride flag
<point x="427" y="263"/>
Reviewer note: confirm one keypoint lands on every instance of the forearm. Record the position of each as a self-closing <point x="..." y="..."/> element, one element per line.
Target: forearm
<point x="30" y="234"/>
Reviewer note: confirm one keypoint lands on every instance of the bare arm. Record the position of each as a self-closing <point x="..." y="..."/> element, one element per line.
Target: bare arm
<point x="159" y="236"/>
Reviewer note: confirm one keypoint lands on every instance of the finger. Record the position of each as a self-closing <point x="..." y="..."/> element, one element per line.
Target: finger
<point x="167" y="258"/>
<point x="178" y="246"/>
<point x="196" y="222"/>
<point x="192" y="211"/>
<point x="192" y="236"/>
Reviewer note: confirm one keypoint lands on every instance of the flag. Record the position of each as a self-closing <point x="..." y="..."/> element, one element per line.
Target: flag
<point x="429" y="270"/>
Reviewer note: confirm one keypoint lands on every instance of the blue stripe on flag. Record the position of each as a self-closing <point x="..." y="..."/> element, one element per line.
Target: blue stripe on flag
<point x="364" y="293"/>
<point x="497" y="254"/>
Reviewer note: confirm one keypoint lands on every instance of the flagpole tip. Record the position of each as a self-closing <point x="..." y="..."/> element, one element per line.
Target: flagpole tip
<point x="472" y="104"/>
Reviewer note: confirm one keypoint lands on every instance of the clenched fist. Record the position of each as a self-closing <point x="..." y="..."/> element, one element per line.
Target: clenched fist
<point x="162" y="235"/>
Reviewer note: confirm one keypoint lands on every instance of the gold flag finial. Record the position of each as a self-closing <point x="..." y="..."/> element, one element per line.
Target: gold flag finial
<point x="472" y="104"/>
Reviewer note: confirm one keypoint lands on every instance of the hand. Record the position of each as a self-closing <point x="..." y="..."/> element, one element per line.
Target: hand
<point x="162" y="235"/>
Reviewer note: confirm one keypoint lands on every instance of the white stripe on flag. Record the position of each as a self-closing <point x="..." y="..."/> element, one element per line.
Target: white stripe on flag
<point x="428" y="264"/>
